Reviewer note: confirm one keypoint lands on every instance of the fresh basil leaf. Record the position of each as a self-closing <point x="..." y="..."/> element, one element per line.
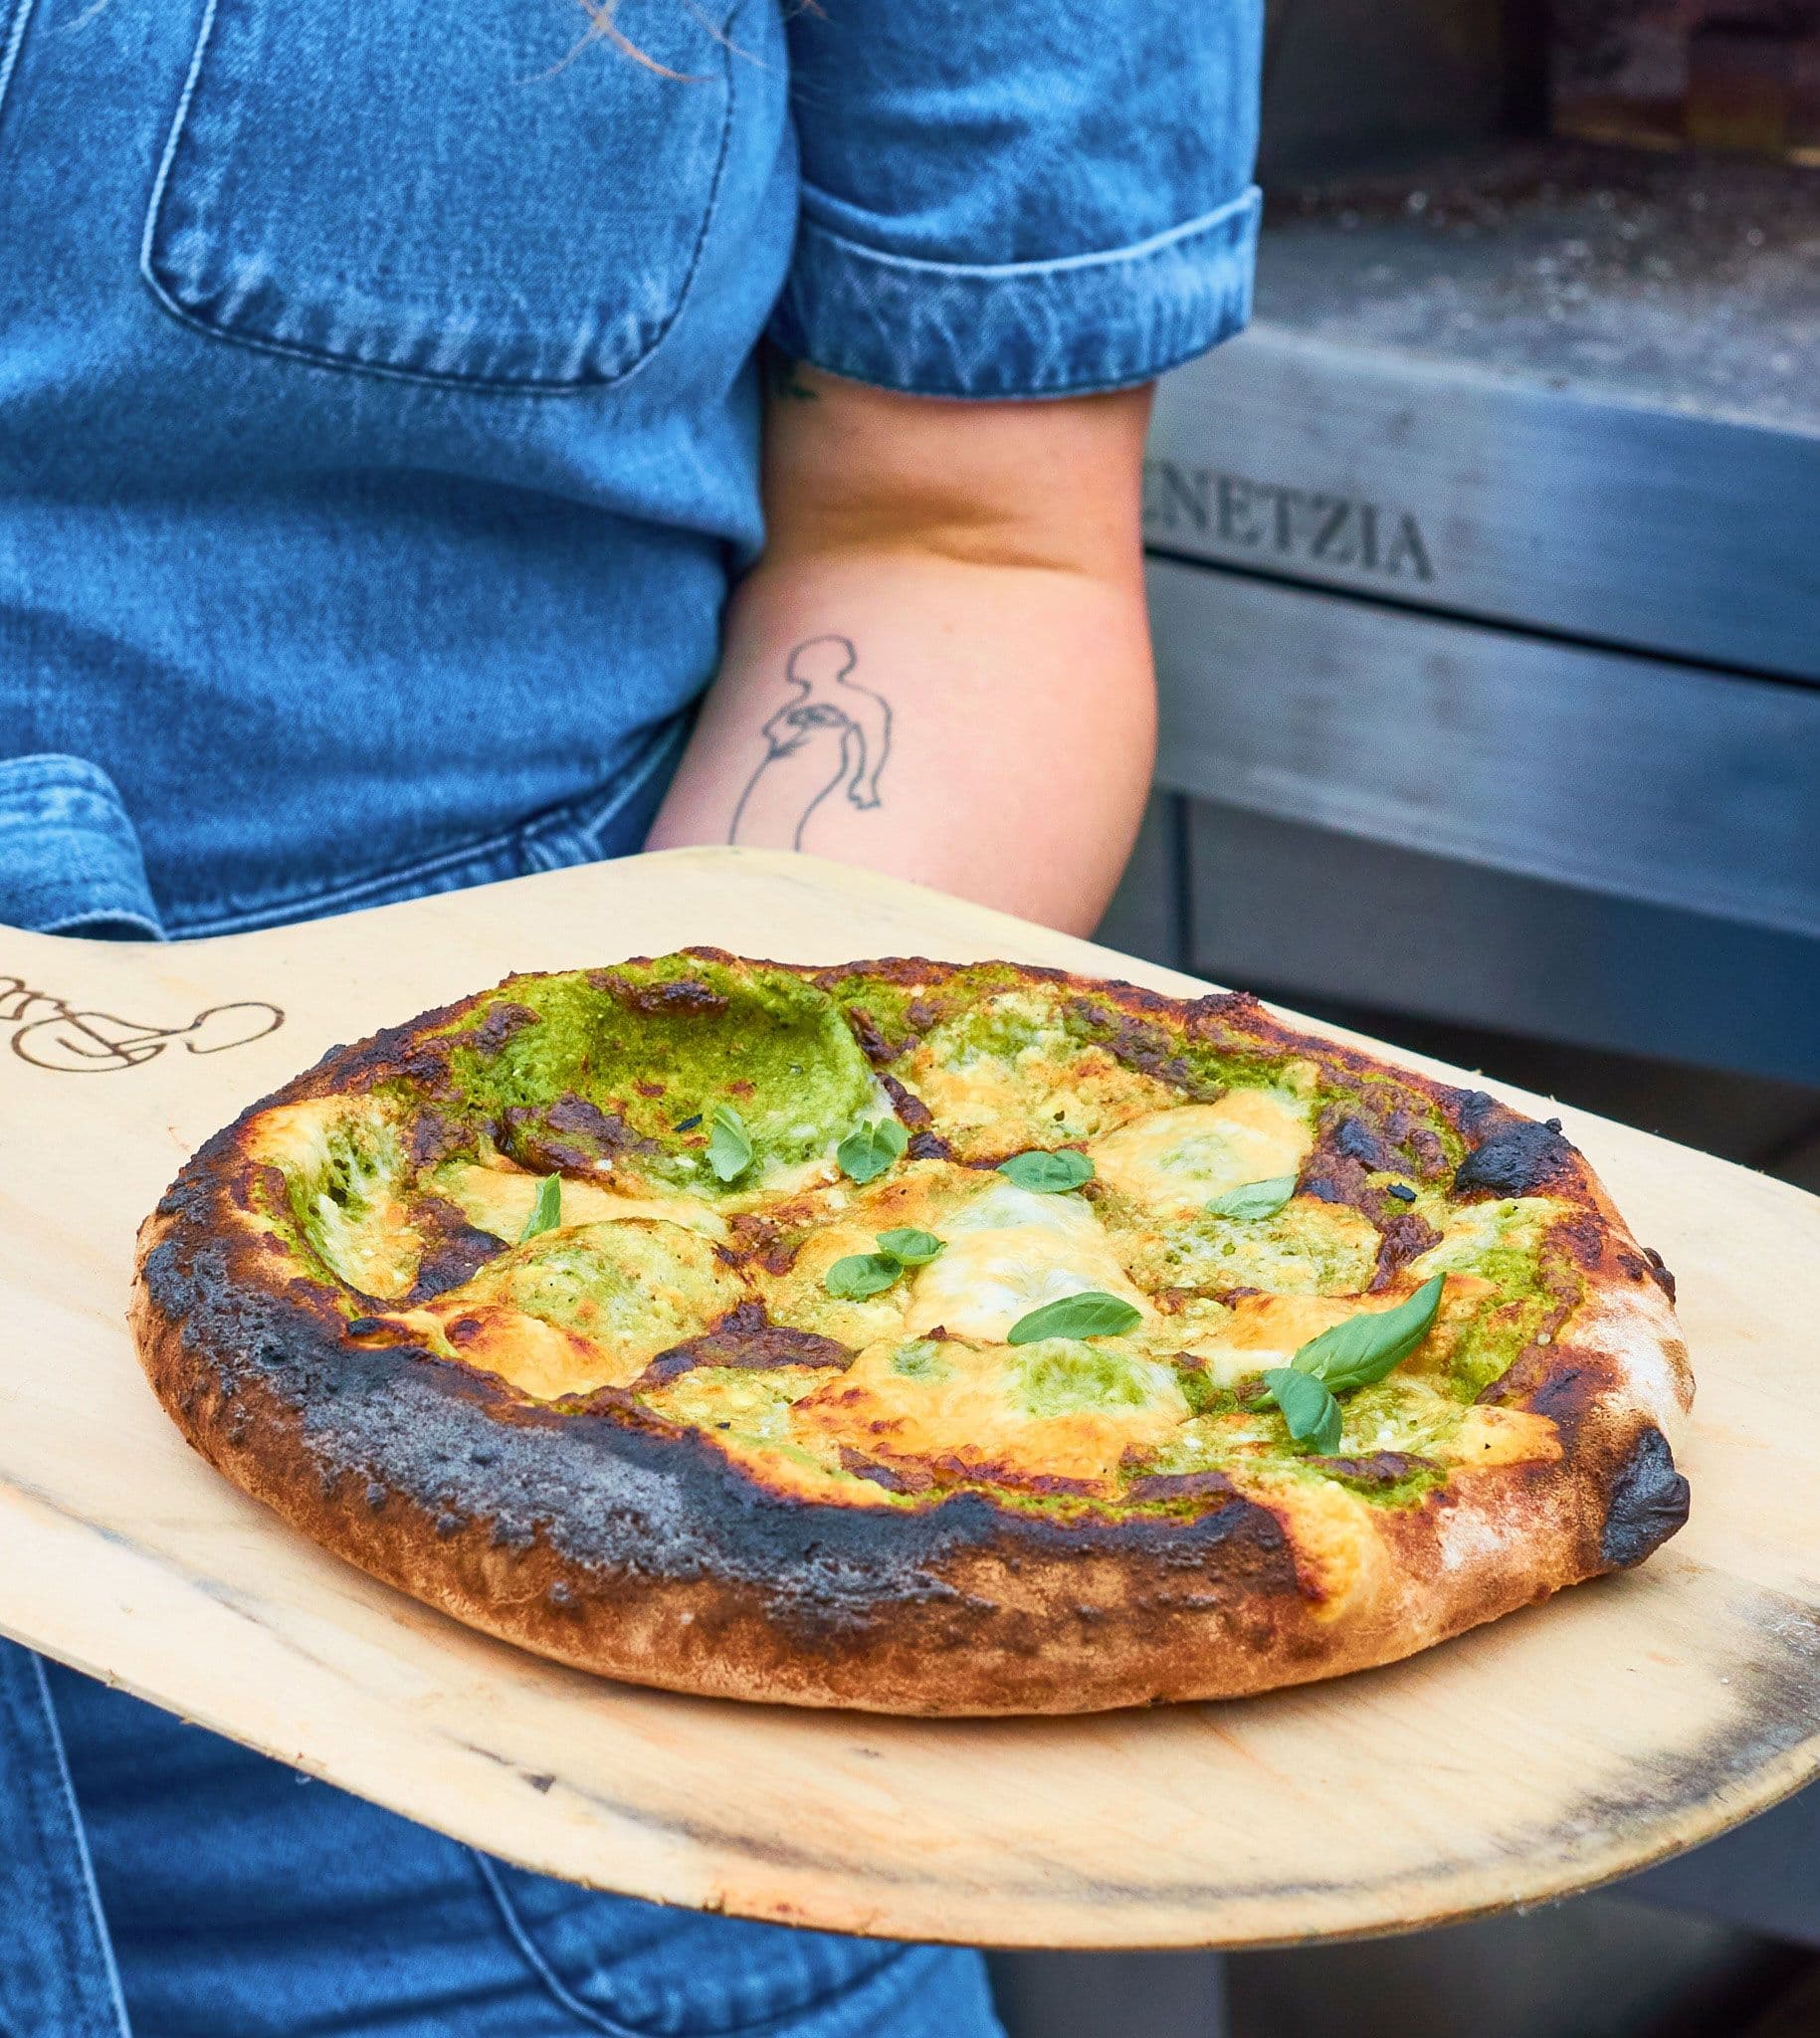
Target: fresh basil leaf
<point x="1254" y="1200"/>
<point x="908" y="1245"/>
<point x="1307" y="1407"/>
<point x="1367" y="1346"/>
<point x="547" y="1211"/>
<point x="1092" y="1314"/>
<point x="1050" y="1173"/>
<point x="869" y="1150"/>
<point x="860" y="1275"/>
<point x="730" y="1144"/>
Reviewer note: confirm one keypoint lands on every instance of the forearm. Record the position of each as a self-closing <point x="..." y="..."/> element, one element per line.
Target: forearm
<point x="967" y="648"/>
<point x="1019" y="742"/>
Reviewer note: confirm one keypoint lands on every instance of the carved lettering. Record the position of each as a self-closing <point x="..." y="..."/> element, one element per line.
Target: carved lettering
<point x="1333" y="520"/>
<point x="1235" y="499"/>
<point x="1294" y="523"/>
<point x="1407" y="544"/>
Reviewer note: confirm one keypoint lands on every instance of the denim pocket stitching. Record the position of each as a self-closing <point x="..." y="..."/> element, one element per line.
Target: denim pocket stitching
<point x="92" y="1913"/>
<point x="23" y="11"/>
<point x="599" y="2020"/>
<point x="343" y="364"/>
<point x="528" y="1951"/>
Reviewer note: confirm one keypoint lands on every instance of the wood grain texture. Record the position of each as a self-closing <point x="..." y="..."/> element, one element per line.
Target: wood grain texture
<point x="1556" y="1749"/>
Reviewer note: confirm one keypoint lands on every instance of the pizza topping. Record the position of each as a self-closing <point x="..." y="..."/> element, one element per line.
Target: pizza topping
<point x="1254" y="1201"/>
<point x="344" y="1163"/>
<point x="1025" y="1068"/>
<point x="1009" y="1250"/>
<point x="908" y="1324"/>
<point x="590" y="1306"/>
<point x="1353" y="1353"/>
<point x="749" y="1402"/>
<point x="1172" y="1161"/>
<point x="910" y="1246"/>
<point x="1060" y="1373"/>
<point x="501" y="1199"/>
<point x="1367" y="1346"/>
<point x="1308" y="1408"/>
<point x="1088" y="1315"/>
<point x="871" y="1148"/>
<point x="1056" y="1412"/>
<point x="730" y="1144"/>
<point x="591" y="1087"/>
<point x="547" y="1211"/>
<point x="860" y="1275"/>
<point x="1048" y="1173"/>
<point x="1307" y="1248"/>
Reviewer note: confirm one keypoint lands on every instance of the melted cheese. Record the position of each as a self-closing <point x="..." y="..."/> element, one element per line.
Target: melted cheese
<point x="1502" y="1436"/>
<point x="344" y="1162"/>
<point x="1173" y="1162"/>
<point x="978" y="1408"/>
<point x="1264" y="1330"/>
<point x="1010" y="1074"/>
<point x="1337" y="1549"/>
<point x="540" y="1360"/>
<point x="1008" y="1252"/>
<point x="501" y="1199"/>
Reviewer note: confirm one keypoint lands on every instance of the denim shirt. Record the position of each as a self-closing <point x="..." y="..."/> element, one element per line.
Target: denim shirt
<point x="378" y="410"/>
<point x="378" y="439"/>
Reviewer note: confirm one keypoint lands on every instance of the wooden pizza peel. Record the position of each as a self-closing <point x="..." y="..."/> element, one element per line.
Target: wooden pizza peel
<point x="1554" y="1750"/>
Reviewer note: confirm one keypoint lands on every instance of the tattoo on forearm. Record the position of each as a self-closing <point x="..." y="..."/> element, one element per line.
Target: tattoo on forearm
<point x="831" y="734"/>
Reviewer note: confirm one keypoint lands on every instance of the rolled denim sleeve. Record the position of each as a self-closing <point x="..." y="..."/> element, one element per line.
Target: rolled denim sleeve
<point x="1006" y="198"/>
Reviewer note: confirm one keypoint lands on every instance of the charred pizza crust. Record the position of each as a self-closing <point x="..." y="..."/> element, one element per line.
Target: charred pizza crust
<point x="652" y="1445"/>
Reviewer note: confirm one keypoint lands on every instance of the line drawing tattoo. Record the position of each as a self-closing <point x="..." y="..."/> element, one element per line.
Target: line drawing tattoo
<point x="50" y="1033"/>
<point x="832" y="734"/>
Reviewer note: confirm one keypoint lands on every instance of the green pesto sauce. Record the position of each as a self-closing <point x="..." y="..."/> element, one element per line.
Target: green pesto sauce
<point x="922" y="1360"/>
<point x="1060" y="1375"/>
<point x="609" y="1283"/>
<point x="777" y="1050"/>
<point x="1308" y="1248"/>
<point x="337" y="1199"/>
<point x="746" y="1401"/>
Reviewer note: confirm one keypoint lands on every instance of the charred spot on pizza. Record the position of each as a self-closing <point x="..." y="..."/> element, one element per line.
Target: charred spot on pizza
<point x="1511" y="1155"/>
<point x="1647" y="1502"/>
<point x="745" y="1336"/>
<point x="1380" y="1470"/>
<point x="1659" y="1272"/>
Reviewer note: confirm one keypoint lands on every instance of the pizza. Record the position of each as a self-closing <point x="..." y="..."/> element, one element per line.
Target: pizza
<point x="926" y="1337"/>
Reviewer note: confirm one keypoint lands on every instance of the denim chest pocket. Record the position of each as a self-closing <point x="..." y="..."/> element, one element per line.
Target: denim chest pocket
<point x="480" y="193"/>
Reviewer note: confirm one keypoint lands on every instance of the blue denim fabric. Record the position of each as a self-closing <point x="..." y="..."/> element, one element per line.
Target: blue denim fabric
<point x="378" y="437"/>
<point x="244" y="1901"/>
<point x="377" y="389"/>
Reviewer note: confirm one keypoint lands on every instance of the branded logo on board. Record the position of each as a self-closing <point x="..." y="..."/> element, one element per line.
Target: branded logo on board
<point x="1303" y="525"/>
<point x="51" y="1033"/>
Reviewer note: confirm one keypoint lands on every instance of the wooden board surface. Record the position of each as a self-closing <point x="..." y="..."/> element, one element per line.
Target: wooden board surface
<point x="1559" y="1747"/>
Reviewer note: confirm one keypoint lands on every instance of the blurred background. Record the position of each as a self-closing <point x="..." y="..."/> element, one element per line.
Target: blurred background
<point x="1486" y="581"/>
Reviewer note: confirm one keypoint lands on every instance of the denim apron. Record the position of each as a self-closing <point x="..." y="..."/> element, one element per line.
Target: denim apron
<point x="378" y="437"/>
<point x="159" y="1882"/>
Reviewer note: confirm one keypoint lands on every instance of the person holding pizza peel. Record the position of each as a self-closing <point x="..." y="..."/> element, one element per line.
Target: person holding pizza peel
<point x="442" y="444"/>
